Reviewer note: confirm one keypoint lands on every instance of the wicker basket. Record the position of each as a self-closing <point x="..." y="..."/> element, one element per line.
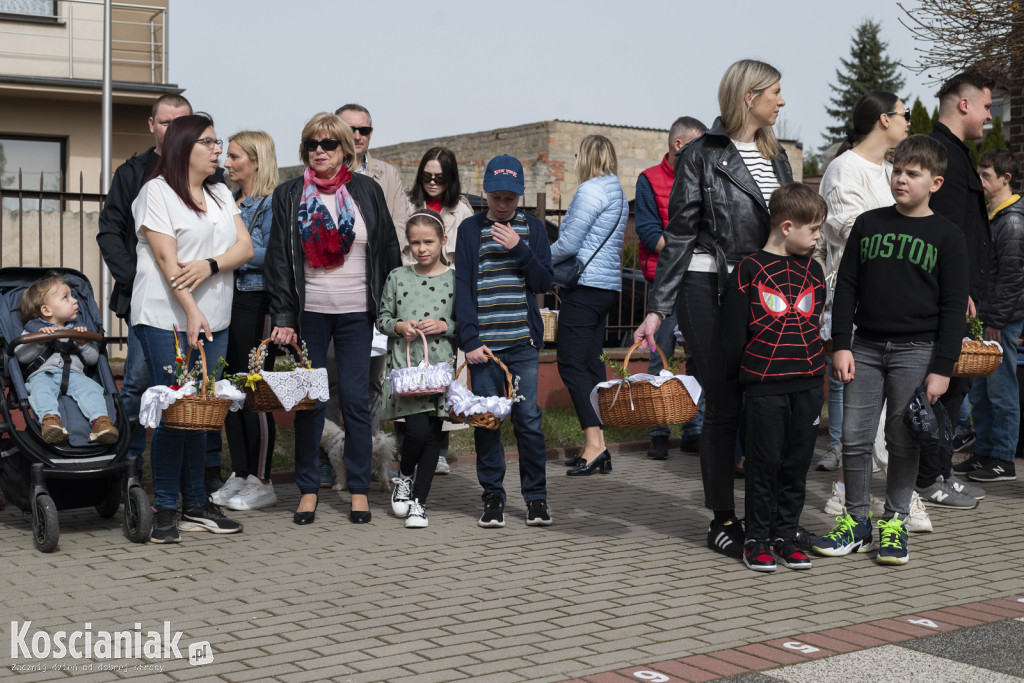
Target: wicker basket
<point x="483" y="420"/>
<point x="550" y="320"/>
<point x="262" y="398"/>
<point x="977" y="359"/>
<point x="408" y="364"/>
<point x="641" y="404"/>
<point x="198" y="412"/>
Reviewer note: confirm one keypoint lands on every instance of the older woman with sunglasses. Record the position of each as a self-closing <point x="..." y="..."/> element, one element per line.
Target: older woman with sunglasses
<point x="437" y="187"/>
<point x="332" y="245"/>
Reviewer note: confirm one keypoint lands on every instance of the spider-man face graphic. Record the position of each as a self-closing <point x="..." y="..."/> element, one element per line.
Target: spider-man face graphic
<point x="776" y="304"/>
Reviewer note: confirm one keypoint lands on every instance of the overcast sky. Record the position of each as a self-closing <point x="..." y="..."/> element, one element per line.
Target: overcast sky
<point x="427" y="69"/>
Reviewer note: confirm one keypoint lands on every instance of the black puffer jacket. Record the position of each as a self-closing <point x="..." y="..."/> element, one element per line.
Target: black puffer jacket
<point x="283" y="267"/>
<point x="715" y="205"/>
<point x="1005" y="300"/>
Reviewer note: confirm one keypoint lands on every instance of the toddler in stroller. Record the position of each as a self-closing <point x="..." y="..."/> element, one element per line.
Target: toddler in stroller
<point x="58" y="367"/>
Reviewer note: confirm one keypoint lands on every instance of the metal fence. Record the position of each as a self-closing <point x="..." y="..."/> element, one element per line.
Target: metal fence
<point x="65" y="236"/>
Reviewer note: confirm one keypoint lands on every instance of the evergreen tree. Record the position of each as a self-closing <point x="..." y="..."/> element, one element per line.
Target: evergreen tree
<point x="867" y="69"/>
<point x="920" y="122"/>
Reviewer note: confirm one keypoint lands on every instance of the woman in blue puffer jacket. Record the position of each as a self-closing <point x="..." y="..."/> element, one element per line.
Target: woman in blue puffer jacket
<point x="591" y="232"/>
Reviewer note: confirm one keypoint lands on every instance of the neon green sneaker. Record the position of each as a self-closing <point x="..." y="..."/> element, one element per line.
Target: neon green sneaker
<point x="848" y="536"/>
<point x="892" y="535"/>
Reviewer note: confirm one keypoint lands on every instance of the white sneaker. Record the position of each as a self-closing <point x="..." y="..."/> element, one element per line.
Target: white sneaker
<point x="831" y="459"/>
<point x="918" y="521"/>
<point x="877" y="506"/>
<point x="417" y="518"/>
<point x="442" y="466"/>
<point x="834" y="505"/>
<point x="232" y="486"/>
<point x="401" y="496"/>
<point x="253" y="496"/>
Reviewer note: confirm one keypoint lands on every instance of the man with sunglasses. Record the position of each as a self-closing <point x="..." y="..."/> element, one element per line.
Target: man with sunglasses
<point x="358" y="117"/>
<point x="117" y="240"/>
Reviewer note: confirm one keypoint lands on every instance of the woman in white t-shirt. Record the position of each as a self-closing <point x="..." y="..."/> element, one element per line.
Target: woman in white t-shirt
<point x="191" y="238"/>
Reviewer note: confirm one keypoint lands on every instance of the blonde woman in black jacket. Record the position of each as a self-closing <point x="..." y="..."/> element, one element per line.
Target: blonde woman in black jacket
<point x="718" y="214"/>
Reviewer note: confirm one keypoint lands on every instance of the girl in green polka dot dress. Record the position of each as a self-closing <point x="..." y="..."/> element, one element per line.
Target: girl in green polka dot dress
<point x="418" y="298"/>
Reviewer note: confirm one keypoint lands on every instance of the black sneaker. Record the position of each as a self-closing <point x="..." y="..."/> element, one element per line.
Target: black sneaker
<point x="494" y="512"/>
<point x="757" y="555"/>
<point x="208" y="518"/>
<point x="994" y="469"/>
<point x="690" y="444"/>
<point x="658" y="449"/>
<point x="727" y="538"/>
<point x="975" y="462"/>
<point x="165" y="528"/>
<point x="790" y="555"/>
<point x="805" y="540"/>
<point x="962" y="442"/>
<point x="537" y="513"/>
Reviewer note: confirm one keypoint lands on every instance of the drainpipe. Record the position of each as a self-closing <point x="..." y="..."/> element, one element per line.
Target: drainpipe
<point x="107" y="115"/>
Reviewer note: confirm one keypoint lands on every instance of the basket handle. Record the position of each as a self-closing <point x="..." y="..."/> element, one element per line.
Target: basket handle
<point x="202" y="359"/>
<point x="426" y="349"/>
<point x="508" y="375"/>
<point x="664" y="361"/>
<point x="298" y="354"/>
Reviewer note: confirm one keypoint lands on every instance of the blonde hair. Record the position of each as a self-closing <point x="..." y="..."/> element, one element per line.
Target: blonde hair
<point x="596" y="158"/>
<point x="259" y="147"/>
<point x="747" y="75"/>
<point x="334" y="127"/>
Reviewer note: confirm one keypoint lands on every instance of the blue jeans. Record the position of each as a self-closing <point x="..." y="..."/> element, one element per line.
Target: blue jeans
<point x="352" y="334"/>
<point x="994" y="402"/>
<point x="665" y="338"/>
<point x="44" y="388"/>
<point x="885" y="372"/>
<point x="835" y="405"/>
<point x="178" y="455"/>
<point x="963" y="424"/>
<point x="134" y="383"/>
<point x="487" y="379"/>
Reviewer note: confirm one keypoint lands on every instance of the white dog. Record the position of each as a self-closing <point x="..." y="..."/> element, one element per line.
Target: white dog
<point x="384" y="448"/>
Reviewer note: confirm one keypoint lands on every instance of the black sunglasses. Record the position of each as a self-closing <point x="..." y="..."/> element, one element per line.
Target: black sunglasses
<point x="904" y="114"/>
<point x="328" y="144"/>
<point x="362" y="130"/>
<point x="436" y="178"/>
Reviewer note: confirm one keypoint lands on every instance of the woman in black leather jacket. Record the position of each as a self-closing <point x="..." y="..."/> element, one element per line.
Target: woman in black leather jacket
<point x="332" y="245"/>
<point x="718" y="214"/>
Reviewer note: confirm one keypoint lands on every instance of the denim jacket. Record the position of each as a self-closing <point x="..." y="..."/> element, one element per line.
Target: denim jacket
<point x="257" y="218"/>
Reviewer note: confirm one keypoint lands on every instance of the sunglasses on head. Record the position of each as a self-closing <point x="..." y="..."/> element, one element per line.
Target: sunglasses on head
<point x="436" y="178"/>
<point x="362" y="130"/>
<point x="904" y="114"/>
<point x="328" y="144"/>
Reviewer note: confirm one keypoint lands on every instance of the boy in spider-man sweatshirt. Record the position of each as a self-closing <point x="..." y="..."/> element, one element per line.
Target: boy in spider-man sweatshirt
<point x="773" y="344"/>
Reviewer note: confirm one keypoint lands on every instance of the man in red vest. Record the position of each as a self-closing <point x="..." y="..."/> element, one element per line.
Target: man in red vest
<point x="651" y="209"/>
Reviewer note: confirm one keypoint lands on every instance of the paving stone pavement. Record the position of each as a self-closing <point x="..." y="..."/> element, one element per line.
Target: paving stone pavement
<point x="622" y="579"/>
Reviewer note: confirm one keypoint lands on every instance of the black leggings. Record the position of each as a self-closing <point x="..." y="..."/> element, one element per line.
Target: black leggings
<point x="581" y="324"/>
<point x="420" y="450"/>
<point x="250" y="435"/>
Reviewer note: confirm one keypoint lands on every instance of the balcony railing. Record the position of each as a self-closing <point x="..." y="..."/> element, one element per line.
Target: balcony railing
<point x="71" y="46"/>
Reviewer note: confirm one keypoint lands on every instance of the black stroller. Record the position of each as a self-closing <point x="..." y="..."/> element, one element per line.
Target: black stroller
<point x="42" y="478"/>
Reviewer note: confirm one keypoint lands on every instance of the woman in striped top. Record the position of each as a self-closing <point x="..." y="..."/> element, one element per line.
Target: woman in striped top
<point x="718" y="214"/>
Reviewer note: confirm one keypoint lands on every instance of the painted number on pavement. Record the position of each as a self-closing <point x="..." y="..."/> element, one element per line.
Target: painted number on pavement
<point x="651" y="676"/>
<point x="800" y="647"/>
<point x="923" y="622"/>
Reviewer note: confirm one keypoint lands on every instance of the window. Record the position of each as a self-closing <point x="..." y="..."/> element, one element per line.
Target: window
<point x="34" y="158"/>
<point x="31" y="8"/>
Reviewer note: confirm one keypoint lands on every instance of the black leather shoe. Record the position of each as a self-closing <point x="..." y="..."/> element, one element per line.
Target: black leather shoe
<point x="359" y="516"/>
<point x="659" y="448"/>
<point x="601" y="464"/>
<point x="575" y="461"/>
<point x="303" y="518"/>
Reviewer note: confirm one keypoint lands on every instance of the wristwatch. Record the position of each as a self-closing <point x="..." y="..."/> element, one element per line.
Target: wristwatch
<point x="214" y="268"/>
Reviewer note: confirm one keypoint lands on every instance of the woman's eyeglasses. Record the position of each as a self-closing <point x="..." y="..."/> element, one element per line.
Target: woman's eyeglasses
<point x="210" y="143"/>
<point x="904" y="114"/>
<point x="436" y="178"/>
<point x="327" y="144"/>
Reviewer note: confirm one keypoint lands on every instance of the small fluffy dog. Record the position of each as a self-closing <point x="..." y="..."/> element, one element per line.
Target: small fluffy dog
<point x="384" y="448"/>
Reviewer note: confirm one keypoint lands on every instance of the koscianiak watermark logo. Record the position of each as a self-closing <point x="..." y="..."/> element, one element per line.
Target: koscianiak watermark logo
<point x="36" y="650"/>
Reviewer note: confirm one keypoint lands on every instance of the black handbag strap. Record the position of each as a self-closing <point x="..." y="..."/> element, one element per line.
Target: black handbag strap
<point x="611" y="232"/>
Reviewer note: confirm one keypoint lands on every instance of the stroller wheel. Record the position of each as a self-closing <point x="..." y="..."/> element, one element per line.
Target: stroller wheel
<point x="138" y="516"/>
<point x="109" y="506"/>
<point x="45" y="524"/>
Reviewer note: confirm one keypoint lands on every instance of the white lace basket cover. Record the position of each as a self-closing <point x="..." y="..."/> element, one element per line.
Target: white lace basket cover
<point x="464" y="402"/>
<point x="294" y="385"/>
<point x="156" y="399"/>
<point x="423" y="379"/>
